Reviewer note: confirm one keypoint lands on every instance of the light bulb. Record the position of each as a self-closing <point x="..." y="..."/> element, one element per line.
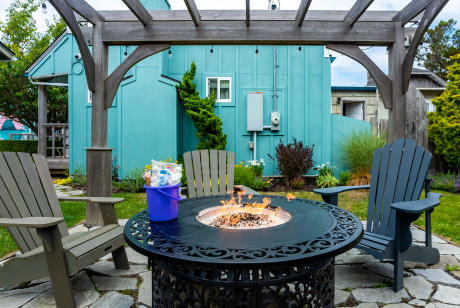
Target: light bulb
<point x="211" y="52"/>
<point x="170" y="54"/>
<point x="257" y="52"/>
<point x="125" y="54"/>
<point x="44" y="10"/>
<point x="299" y="49"/>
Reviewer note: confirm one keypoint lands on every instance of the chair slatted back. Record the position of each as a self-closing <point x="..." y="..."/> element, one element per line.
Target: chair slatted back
<point x="209" y="172"/>
<point x="398" y="174"/>
<point x="26" y="190"/>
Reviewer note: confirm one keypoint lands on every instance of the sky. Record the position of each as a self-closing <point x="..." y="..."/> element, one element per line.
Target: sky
<point x="345" y="71"/>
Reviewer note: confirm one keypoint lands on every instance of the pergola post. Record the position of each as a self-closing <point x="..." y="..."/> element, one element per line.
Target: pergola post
<point x="397" y="125"/>
<point x="98" y="157"/>
<point x="42" y="118"/>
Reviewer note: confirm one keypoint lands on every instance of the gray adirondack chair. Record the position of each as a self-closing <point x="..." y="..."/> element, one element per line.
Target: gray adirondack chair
<point x="398" y="176"/>
<point x="209" y="172"/>
<point x="30" y="209"/>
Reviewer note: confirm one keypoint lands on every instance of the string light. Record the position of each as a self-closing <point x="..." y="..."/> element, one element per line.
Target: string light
<point x="257" y="52"/>
<point x="299" y="49"/>
<point x="170" y="54"/>
<point x="125" y="54"/>
<point x="211" y="52"/>
<point x="44" y="10"/>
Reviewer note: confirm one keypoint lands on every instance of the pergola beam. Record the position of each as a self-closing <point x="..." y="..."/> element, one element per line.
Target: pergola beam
<point x="240" y="15"/>
<point x="139" y="10"/>
<point x="411" y="10"/>
<point x="86" y="10"/>
<point x="236" y="33"/>
<point x="193" y="10"/>
<point x="356" y="11"/>
<point x="248" y="14"/>
<point x="302" y="11"/>
<point x="67" y="14"/>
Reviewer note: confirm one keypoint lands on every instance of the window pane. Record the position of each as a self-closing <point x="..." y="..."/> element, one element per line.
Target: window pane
<point x="212" y="86"/>
<point x="225" y="89"/>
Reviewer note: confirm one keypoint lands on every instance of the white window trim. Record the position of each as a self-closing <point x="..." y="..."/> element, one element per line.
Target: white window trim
<point x="218" y="100"/>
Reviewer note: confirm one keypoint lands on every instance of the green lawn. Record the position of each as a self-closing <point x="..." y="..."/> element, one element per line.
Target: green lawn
<point x="445" y="218"/>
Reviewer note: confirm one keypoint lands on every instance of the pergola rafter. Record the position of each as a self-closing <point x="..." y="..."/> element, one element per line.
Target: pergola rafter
<point x="154" y="31"/>
<point x="139" y="10"/>
<point x="356" y="11"/>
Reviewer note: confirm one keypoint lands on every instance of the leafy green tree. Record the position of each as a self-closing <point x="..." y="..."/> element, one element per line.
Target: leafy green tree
<point x="18" y="96"/>
<point x="439" y="45"/>
<point x="444" y="128"/>
<point x="201" y="111"/>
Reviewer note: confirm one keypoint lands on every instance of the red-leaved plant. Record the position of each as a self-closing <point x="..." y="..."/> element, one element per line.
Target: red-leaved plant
<point x="294" y="159"/>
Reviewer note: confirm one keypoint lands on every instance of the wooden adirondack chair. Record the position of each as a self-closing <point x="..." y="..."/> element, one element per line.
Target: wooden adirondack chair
<point x="209" y="172"/>
<point x="398" y="175"/>
<point x="29" y="207"/>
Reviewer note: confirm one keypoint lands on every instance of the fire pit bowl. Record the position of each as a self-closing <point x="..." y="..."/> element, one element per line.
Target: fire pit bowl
<point x="290" y="264"/>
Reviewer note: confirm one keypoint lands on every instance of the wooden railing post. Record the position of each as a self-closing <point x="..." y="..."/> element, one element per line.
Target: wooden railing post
<point x="42" y="118"/>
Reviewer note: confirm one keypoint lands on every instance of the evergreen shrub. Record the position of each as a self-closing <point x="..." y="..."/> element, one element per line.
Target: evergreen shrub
<point x="27" y="146"/>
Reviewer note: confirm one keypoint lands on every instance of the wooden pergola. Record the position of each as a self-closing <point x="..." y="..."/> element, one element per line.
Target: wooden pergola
<point x="155" y="31"/>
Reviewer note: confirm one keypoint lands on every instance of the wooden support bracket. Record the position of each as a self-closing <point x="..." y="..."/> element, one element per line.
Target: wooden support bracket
<point x="67" y="14"/>
<point x="139" y="10"/>
<point x="381" y="80"/>
<point x="430" y="14"/>
<point x="86" y="10"/>
<point x="302" y="11"/>
<point x="113" y="81"/>
<point x="411" y="10"/>
<point x="248" y="14"/>
<point x="193" y="10"/>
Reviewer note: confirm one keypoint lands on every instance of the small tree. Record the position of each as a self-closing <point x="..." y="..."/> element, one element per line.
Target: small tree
<point x="18" y="96"/>
<point x="444" y="128"/>
<point x="294" y="159"/>
<point x="201" y="111"/>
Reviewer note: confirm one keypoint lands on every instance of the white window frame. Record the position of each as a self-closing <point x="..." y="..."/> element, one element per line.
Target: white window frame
<point x="219" y="79"/>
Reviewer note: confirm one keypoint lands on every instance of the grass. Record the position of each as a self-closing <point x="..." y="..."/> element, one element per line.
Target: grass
<point x="445" y="218"/>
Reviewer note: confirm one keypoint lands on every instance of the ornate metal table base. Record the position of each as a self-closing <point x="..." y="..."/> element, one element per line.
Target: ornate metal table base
<point x="295" y="286"/>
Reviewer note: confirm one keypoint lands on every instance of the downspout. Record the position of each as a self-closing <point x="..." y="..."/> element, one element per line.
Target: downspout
<point x="274" y="80"/>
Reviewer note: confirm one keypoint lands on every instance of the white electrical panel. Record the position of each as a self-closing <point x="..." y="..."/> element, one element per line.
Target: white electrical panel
<point x="255" y="102"/>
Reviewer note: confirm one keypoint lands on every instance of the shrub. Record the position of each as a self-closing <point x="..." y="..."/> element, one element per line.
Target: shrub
<point x="133" y="181"/>
<point x="201" y="111"/>
<point x="357" y="149"/>
<point x="446" y="181"/>
<point x="260" y="184"/>
<point x="344" y="177"/>
<point x="79" y="176"/>
<point x="298" y="183"/>
<point x="294" y="159"/>
<point x="444" y="127"/>
<point x="327" y="180"/>
<point x="26" y="146"/>
<point x="325" y="169"/>
<point x="257" y="167"/>
<point x="243" y="175"/>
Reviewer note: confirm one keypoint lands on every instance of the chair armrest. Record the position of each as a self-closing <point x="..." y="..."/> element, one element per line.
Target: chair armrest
<point x="31" y="222"/>
<point x="418" y="206"/>
<point x="101" y="200"/>
<point x="338" y="189"/>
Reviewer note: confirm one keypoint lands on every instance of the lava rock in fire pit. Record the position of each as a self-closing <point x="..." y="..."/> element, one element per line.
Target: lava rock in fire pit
<point x="240" y="220"/>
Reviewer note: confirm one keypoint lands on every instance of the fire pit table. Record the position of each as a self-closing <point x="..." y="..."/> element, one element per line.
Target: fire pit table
<point x="288" y="265"/>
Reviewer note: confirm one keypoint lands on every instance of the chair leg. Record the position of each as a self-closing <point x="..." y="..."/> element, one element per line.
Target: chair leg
<point x="398" y="274"/>
<point x="120" y="258"/>
<point x="57" y="267"/>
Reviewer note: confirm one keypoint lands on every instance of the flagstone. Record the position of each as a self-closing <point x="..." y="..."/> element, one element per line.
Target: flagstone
<point x="379" y="295"/>
<point x="447" y="249"/>
<point x="113" y="299"/>
<point x="448" y="295"/>
<point x="437" y="275"/>
<point x="355" y="276"/>
<point x="444" y="260"/>
<point x="108" y="268"/>
<point x="418" y="287"/>
<point x="114" y="283"/>
<point x="145" y="290"/>
<point x="340" y="296"/>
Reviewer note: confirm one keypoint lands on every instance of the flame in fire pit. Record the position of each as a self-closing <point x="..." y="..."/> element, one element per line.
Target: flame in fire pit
<point x="234" y="214"/>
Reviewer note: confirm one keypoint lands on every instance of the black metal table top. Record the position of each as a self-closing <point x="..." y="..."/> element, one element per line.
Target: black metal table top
<point x="316" y="231"/>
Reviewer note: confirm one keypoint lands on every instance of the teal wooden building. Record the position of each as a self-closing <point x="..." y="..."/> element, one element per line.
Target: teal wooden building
<point x="147" y="122"/>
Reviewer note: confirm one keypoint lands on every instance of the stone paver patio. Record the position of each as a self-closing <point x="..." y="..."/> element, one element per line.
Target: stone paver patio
<point x="361" y="281"/>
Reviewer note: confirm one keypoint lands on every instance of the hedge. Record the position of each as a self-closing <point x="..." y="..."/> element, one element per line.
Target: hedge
<point x="28" y="146"/>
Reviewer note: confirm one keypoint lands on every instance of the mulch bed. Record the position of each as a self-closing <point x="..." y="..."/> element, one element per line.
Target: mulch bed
<point x="279" y="185"/>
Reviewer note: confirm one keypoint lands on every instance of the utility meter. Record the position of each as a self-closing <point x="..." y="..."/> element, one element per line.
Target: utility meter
<point x="275" y="121"/>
